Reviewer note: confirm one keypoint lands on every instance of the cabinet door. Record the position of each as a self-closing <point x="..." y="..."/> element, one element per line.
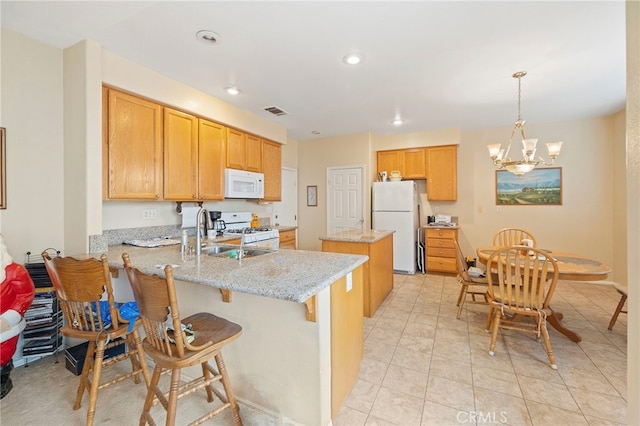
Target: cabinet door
<point x="414" y="162"/>
<point x="133" y="163"/>
<point x="442" y="173"/>
<point x="388" y="161"/>
<point x="272" y="167"/>
<point x="211" y="160"/>
<point x="254" y="154"/>
<point x="180" y="155"/>
<point x="236" y="149"/>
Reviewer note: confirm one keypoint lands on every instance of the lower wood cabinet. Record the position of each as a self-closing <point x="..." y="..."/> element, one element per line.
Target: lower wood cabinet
<point x="441" y="250"/>
<point x="288" y="239"/>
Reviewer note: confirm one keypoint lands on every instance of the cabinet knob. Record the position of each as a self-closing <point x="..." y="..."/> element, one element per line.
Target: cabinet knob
<point x="158" y="196"/>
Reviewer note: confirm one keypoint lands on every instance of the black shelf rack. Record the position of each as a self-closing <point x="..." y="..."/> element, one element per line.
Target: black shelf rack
<point x="44" y="318"/>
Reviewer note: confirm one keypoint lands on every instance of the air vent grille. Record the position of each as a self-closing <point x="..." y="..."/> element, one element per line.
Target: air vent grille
<point x="275" y="110"/>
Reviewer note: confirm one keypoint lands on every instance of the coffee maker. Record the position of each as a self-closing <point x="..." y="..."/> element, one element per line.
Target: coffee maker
<point x="218" y="224"/>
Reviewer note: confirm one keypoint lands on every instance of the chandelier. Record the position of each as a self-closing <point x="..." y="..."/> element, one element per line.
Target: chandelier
<point x="501" y="157"/>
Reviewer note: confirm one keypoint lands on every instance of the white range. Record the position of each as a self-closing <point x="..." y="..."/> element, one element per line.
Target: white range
<point x="239" y="224"/>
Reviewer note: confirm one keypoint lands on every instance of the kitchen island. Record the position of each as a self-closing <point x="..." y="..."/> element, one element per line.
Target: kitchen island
<point x="378" y="271"/>
<point x="301" y="314"/>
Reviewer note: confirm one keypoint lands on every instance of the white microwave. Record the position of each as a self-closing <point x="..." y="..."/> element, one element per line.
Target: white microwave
<point x="243" y="184"/>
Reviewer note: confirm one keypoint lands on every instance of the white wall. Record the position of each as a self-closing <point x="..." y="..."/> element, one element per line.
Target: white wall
<point x="32" y="103"/>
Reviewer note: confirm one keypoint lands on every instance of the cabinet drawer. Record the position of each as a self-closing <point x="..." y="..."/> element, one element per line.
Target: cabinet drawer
<point x="442" y="233"/>
<point x="441" y="264"/>
<point x="441" y="252"/>
<point x="440" y="243"/>
<point x="286" y="236"/>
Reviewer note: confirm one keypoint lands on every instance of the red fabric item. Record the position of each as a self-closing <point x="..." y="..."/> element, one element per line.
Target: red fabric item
<point x="16" y="292"/>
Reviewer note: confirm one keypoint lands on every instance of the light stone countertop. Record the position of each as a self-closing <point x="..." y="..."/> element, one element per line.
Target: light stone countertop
<point x="293" y="275"/>
<point x="356" y="236"/>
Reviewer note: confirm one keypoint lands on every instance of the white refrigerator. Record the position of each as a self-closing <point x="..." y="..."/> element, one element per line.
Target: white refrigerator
<point x="394" y="207"/>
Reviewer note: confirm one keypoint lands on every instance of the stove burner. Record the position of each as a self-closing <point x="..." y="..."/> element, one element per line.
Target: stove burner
<point x="247" y="230"/>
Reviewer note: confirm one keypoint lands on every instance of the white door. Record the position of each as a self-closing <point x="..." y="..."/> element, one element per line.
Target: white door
<point x="285" y="212"/>
<point x="345" y="199"/>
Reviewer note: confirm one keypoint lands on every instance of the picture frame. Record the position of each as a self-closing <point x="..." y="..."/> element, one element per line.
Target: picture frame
<point x="312" y="195"/>
<point x="3" y="169"/>
<point x="539" y="187"/>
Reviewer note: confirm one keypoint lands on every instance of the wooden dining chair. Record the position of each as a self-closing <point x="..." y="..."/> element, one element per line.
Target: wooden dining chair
<point x="80" y="286"/>
<point x="469" y="286"/>
<point x="512" y="237"/>
<point x="622" y="290"/>
<point x="520" y="298"/>
<point x="181" y="343"/>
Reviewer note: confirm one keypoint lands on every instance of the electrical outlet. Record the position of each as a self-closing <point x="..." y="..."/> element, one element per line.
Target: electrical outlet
<point x="436" y="209"/>
<point x="498" y="209"/>
<point x="150" y="214"/>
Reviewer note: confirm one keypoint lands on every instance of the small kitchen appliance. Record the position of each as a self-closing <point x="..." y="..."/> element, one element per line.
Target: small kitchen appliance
<point x="239" y="224"/>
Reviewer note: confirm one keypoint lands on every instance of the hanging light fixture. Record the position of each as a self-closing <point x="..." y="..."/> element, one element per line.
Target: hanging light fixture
<point x="501" y="157"/>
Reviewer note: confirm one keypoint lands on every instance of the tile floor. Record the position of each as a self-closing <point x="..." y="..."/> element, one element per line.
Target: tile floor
<point x="422" y="366"/>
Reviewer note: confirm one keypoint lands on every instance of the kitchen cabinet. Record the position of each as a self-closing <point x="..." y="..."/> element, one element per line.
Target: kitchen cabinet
<point x="441" y="249"/>
<point x="272" y="169"/>
<point x="211" y="154"/>
<point x="180" y="156"/>
<point x="236" y="149"/>
<point x="254" y="154"/>
<point x="410" y="162"/>
<point x="288" y="239"/>
<point x="442" y="173"/>
<point x="388" y="161"/>
<point x="132" y="147"/>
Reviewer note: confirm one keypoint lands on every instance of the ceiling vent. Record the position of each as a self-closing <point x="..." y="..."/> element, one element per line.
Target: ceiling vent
<point x="275" y="110"/>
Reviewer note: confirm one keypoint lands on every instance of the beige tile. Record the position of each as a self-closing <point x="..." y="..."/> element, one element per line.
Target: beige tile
<point x="452" y="350"/>
<point x="396" y="314"/>
<point x="378" y="350"/>
<point x="362" y="396"/>
<point x="591" y="379"/>
<point x="440" y="415"/>
<point x="406" y="380"/>
<point x="528" y="367"/>
<point x="350" y="417"/>
<point x="397" y="408"/>
<point x="503" y="381"/>
<point x="418" y="329"/>
<point x="502" y="408"/>
<point x="385" y="335"/>
<point x="543" y="415"/>
<point x="459" y="371"/>
<point x="416" y="343"/>
<point x="391" y="323"/>
<point x="374" y="421"/>
<point x="450" y="393"/>
<point x="556" y="395"/>
<point x="372" y="370"/>
<point x="416" y="360"/>
<point x="603" y="406"/>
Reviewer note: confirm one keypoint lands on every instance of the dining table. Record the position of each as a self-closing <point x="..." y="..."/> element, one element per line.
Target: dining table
<point x="571" y="267"/>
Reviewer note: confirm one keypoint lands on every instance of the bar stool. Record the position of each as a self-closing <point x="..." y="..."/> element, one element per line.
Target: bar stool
<point x="185" y="342"/>
<point x="623" y="292"/>
<point x="80" y="285"/>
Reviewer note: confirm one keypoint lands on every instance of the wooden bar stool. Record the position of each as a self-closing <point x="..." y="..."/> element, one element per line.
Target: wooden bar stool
<point x="191" y="341"/>
<point x="80" y="285"/>
<point x="623" y="292"/>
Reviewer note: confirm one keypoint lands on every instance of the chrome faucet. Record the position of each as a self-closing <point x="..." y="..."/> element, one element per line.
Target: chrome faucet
<point x="241" y="251"/>
<point x="199" y="231"/>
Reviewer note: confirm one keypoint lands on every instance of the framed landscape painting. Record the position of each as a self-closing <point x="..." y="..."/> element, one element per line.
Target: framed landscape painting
<point x="538" y="187"/>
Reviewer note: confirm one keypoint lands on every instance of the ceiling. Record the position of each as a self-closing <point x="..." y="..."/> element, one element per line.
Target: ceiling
<point x="436" y="65"/>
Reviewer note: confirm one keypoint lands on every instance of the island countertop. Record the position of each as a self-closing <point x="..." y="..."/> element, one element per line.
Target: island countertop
<point x="357" y="236"/>
<point x="293" y="275"/>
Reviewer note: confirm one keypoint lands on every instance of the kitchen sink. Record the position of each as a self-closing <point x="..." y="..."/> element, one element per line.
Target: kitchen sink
<point x="231" y="251"/>
<point x="219" y="249"/>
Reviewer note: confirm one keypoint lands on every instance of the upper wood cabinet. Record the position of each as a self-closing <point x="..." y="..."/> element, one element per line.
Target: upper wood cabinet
<point x="254" y="154"/>
<point x="442" y="173"/>
<point x="272" y="168"/>
<point x="180" y="156"/>
<point x="236" y="149"/>
<point x="211" y="159"/>
<point x="132" y="147"/>
<point x="413" y="163"/>
<point x="388" y="161"/>
<point x="410" y="162"/>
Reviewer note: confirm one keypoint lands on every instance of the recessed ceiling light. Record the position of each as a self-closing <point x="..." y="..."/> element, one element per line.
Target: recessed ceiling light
<point x="208" y="36"/>
<point x="232" y="90"/>
<point x="352" y="59"/>
<point x="397" y="122"/>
